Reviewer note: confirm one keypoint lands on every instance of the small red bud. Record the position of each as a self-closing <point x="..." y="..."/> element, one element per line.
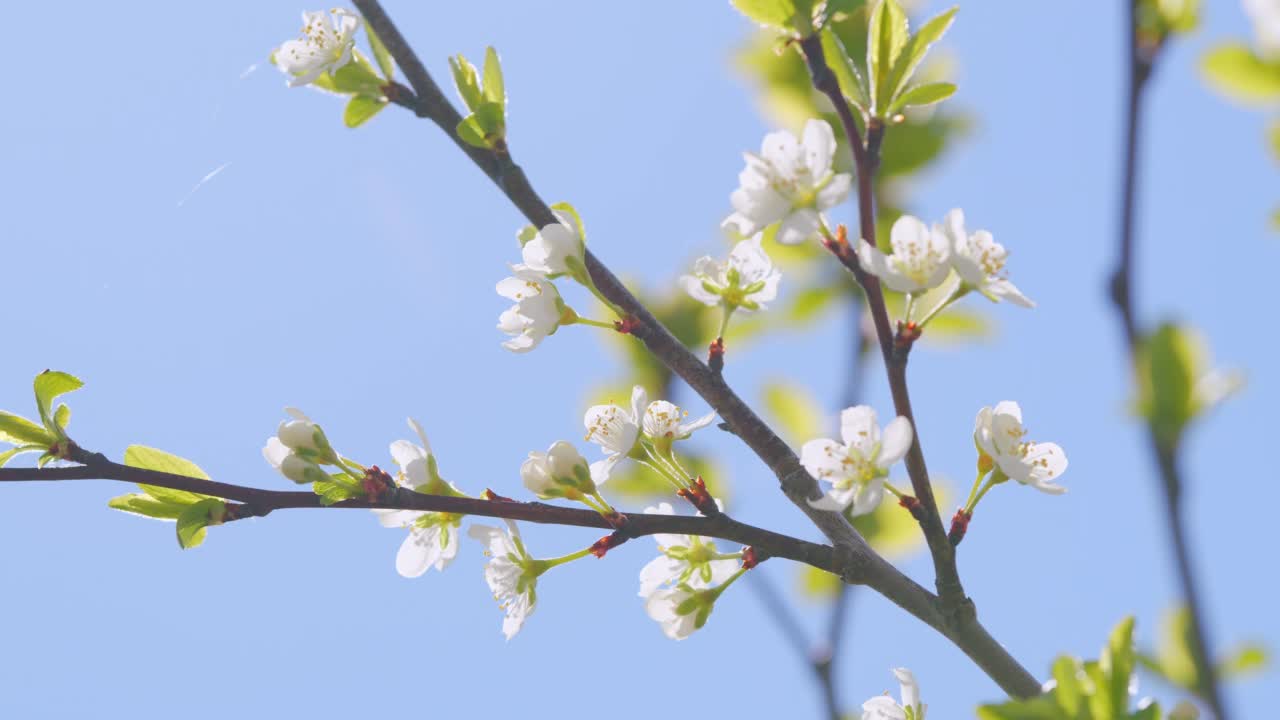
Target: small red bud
<point x="627" y="325"/>
<point x="495" y="497"/>
<point x="959" y="526"/>
<point x="750" y="558"/>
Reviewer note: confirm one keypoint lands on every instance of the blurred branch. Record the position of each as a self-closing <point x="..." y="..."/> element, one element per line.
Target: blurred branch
<point x="1142" y="52"/>
<point x="853" y="559"/>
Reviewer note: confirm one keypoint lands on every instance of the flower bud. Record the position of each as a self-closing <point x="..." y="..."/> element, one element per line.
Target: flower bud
<point x="561" y="472"/>
<point x="301" y="470"/>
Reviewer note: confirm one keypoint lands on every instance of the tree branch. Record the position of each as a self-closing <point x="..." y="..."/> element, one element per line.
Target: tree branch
<point x="854" y="559"/>
<point x="1141" y="53"/>
<point x="867" y="160"/>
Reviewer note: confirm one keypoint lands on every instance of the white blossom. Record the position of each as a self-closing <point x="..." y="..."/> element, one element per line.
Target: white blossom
<point x="556" y="248"/>
<point x="999" y="435"/>
<point x="433" y="536"/>
<point x="301" y="433"/>
<point x="790" y="183"/>
<point x="1265" y="16"/>
<point x="509" y="573"/>
<point x="684" y="559"/>
<point x="857" y="467"/>
<point x="537" y="312"/>
<point x="325" y="46"/>
<point x="747" y="280"/>
<point x="664" y="421"/>
<point x="290" y="464"/>
<point x="678" y="610"/>
<point x="562" y="472"/>
<point x="979" y="261"/>
<point x="918" y="261"/>
<point x="615" y="429"/>
<point x="883" y="707"/>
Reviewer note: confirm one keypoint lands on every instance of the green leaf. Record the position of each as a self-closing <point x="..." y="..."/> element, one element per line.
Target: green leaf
<point x="62" y="417"/>
<point x="360" y="108"/>
<point x="809" y="302"/>
<point x="492" y="121"/>
<point x="912" y="54"/>
<point x="193" y="521"/>
<point x="471" y="133"/>
<point x="921" y="95"/>
<point x="465" y="80"/>
<point x="818" y="584"/>
<point x="1117" y="663"/>
<point x="1243" y="661"/>
<point x="1173" y="659"/>
<point x="1273" y="133"/>
<point x="495" y="90"/>
<point x="49" y="385"/>
<point x="381" y="54"/>
<point x="1175" y="383"/>
<point x="357" y="78"/>
<point x="851" y="84"/>
<point x="789" y="15"/>
<point x="886" y="36"/>
<point x="335" y="490"/>
<point x="17" y="430"/>
<point x="794" y="410"/>
<point x="12" y="452"/>
<point x="1235" y="71"/>
<point x="1041" y="707"/>
<point x="146" y="506"/>
<point x="1068" y="689"/>
<point x="147" y="458"/>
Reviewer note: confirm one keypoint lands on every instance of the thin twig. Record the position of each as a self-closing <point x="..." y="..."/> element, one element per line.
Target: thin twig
<point x="1142" y="53"/>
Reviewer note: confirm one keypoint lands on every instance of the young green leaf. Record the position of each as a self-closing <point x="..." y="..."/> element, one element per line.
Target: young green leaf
<point x="49" y="385"/>
<point x="886" y="36"/>
<point x="492" y="122"/>
<point x="62" y="417"/>
<point x="794" y="410"/>
<point x="17" y="430"/>
<point x="1235" y="71"/>
<point x="357" y="78"/>
<point x="921" y="95"/>
<point x="915" y="50"/>
<point x="194" y="519"/>
<point x="9" y="454"/>
<point x="495" y="90"/>
<point x="471" y="133"/>
<point x="1244" y="660"/>
<point x="147" y="458"/>
<point x="146" y="506"/>
<point x="1117" y="665"/>
<point x="360" y="108"/>
<point x="381" y="54"/>
<point x="465" y="80"/>
<point x="855" y="91"/>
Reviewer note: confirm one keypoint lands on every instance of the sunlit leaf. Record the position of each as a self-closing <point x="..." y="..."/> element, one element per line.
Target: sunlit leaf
<point x="360" y="108"/>
<point x="1237" y="72"/>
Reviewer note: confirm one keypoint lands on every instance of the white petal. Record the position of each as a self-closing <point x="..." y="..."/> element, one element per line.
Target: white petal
<point x="835" y="192"/>
<point x="692" y="285"/>
<point x="801" y="225"/>
<point x="819" y="147"/>
<point x="687" y="429"/>
<point x="834" y="500"/>
<point x="415" y="554"/>
<point x="895" y="442"/>
<point x="826" y="460"/>
<point x="275" y="452"/>
<point x="868" y="497"/>
<point x="658" y="572"/>
<point x="860" y="428"/>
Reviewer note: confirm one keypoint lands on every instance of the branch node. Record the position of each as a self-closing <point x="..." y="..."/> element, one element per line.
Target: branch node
<point x="959" y="526"/>
<point x="700" y="498"/>
<point x="627" y="325"/>
<point x="715" y="355"/>
<point x="492" y="496"/>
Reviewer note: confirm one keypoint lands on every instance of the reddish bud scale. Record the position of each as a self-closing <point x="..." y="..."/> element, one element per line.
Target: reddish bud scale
<point x="698" y="496"/>
<point x="495" y="497"/>
<point x="750" y="558"/>
<point x="627" y="325"/>
<point x="715" y="355"/>
<point x="616" y="520"/>
<point x="376" y="483"/>
<point x="907" y="334"/>
<point x="607" y="543"/>
<point x="913" y="506"/>
<point x="959" y="526"/>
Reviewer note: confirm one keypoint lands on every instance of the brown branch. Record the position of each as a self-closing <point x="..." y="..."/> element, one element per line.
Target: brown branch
<point x="867" y="160"/>
<point x="854" y="560"/>
<point x="1142" y="51"/>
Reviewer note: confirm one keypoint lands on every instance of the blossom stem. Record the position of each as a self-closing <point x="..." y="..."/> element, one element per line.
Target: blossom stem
<point x="548" y="563"/>
<point x="944" y="304"/>
<point x="896" y="492"/>
<point x="724" y="321"/>
<point x="910" y="305"/>
<point x="727" y="556"/>
<point x="661" y="469"/>
<point x="604" y="507"/>
<point x="717" y="591"/>
<point x="973" y="494"/>
<point x="594" y="323"/>
<point x="973" y="503"/>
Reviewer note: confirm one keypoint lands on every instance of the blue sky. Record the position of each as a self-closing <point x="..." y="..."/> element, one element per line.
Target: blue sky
<point x="350" y="273"/>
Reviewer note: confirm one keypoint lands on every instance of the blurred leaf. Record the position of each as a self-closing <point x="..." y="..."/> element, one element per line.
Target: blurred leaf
<point x="360" y="108"/>
<point x="922" y="95"/>
<point x="794" y="410"/>
<point x="817" y="584"/>
<point x="958" y="324"/>
<point x="846" y="71"/>
<point x="1176" y="382"/>
<point x="1117" y="663"/>
<point x="1235" y="71"/>
<point x="911" y="145"/>
<point x="1244" y="660"/>
<point x="381" y="54"/>
<point x="1173" y="660"/>
<point x="1042" y="707"/>
<point x="811" y="301"/>
<point x="789" y="15"/>
<point x="1273" y="134"/>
